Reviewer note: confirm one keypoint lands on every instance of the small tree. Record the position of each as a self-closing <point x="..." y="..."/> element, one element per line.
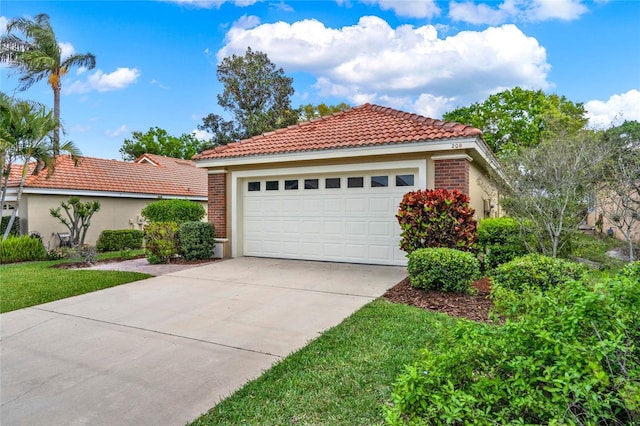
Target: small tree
<point x="436" y="218"/>
<point x="78" y="217"/>
<point x="158" y="141"/>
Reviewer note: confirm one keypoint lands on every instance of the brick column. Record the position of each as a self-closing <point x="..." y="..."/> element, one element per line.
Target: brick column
<point x="452" y="174"/>
<point x="217" y="203"/>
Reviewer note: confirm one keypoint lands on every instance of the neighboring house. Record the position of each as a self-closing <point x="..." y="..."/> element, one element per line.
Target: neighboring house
<point x="122" y="188"/>
<point x="329" y="189"/>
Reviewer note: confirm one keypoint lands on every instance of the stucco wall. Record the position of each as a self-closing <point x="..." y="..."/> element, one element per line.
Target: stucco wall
<point x="481" y="189"/>
<point x="115" y="213"/>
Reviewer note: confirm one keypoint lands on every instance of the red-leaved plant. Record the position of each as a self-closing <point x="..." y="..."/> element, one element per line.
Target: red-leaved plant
<point x="437" y="218"/>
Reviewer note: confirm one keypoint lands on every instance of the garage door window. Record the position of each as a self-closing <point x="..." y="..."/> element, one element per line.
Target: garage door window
<point x="379" y="181"/>
<point x="332" y="183"/>
<point x="272" y="185"/>
<point x="290" y="184"/>
<point x="254" y="186"/>
<point x="404" y="180"/>
<point x="311" y="184"/>
<point x="355" y="182"/>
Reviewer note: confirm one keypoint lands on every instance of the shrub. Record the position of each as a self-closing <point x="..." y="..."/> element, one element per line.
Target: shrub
<point x="499" y="241"/>
<point x="21" y="249"/>
<point x="571" y="358"/>
<point x="114" y="240"/>
<point x="161" y="241"/>
<point x="196" y="240"/>
<point x="15" y="228"/>
<point x="443" y="269"/>
<point x="535" y="271"/>
<point x="436" y="218"/>
<point x="177" y="211"/>
<point x="631" y="271"/>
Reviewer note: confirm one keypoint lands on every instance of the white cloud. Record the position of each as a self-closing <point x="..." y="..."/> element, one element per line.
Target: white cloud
<point x="159" y="84"/>
<point x="625" y="106"/>
<point x="202" y="135"/>
<point x="245" y="22"/>
<point x="3" y="24"/>
<point x="208" y="4"/>
<point x="412" y="9"/>
<point x="98" y="80"/>
<point x="371" y="61"/>
<point x="117" y="132"/>
<point x="66" y="50"/>
<point x="516" y="10"/>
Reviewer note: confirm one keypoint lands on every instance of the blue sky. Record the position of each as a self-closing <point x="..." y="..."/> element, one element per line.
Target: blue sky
<point x="156" y="60"/>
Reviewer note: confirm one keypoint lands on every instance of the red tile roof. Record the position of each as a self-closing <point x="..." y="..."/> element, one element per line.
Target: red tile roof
<point x="149" y="174"/>
<point x="365" y="125"/>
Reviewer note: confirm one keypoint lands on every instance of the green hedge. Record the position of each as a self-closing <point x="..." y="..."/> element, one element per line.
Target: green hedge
<point x="178" y="211"/>
<point x="499" y="241"/>
<point x="15" y="228"/>
<point x="161" y="241"/>
<point x="443" y="269"/>
<point x="21" y="249"/>
<point x="114" y="240"/>
<point x="196" y="240"/>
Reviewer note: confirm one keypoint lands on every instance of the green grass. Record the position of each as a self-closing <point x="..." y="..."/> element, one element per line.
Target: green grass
<point x="595" y="248"/>
<point x="342" y="378"/>
<point x="32" y="283"/>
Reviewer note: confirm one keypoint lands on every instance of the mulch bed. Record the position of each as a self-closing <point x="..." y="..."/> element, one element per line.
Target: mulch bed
<point x="475" y="306"/>
<point x="80" y="265"/>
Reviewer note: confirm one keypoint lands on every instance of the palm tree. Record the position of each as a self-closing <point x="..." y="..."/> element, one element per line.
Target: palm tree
<point x="26" y="133"/>
<point x="38" y="55"/>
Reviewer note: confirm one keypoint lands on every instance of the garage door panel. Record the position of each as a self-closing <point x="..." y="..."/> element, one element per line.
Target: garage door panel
<point x="333" y="224"/>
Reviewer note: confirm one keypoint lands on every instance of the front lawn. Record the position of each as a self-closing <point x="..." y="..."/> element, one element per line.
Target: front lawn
<point x="343" y="377"/>
<point x="32" y="283"/>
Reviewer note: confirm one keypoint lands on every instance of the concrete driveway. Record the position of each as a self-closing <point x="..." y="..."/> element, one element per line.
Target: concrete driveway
<point x="164" y="350"/>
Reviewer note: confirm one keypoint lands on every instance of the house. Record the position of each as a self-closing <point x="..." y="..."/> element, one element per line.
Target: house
<point x="122" y="188"/>
<point x="329" y="189"/>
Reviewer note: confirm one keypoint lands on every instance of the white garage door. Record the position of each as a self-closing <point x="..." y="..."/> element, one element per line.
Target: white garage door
<point x="347" y="217"/>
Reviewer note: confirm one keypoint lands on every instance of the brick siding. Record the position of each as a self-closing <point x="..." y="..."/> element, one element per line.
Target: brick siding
<point x="217" y="193"/>
<point x="452" y="174"/>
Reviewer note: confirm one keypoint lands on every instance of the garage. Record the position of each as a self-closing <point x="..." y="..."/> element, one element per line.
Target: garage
<point x="346" y="217"/>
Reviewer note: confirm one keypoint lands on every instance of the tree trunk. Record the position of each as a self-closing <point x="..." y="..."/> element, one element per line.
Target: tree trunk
<point x="25" y="168"/>
<point x="56" y="116"/>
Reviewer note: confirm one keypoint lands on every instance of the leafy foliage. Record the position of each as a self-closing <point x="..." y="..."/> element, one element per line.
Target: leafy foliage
<point x="631" y="271"/>
<point x="256" y="93"/>
<point x="499" y="241"/>
<point x="436" y="218"/>
<point x="15" y="228"/>
<point x="77" y="217"/>
<point x="161" y="241"/>
<point x="158" y="141"/>
<point x="173" y="210"/>
<point x="120" y="239"/>
<point x="570" y="357"/>
<point x="537" y="271"/>
<point x="21" y="249"/>
<point x="196" y="240"/>
<point x="309" y="111"/>
<point x="519" y="118"/>
<point x="443" y="269"/>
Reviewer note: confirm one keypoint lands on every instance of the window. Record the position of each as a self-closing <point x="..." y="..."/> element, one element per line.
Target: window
<point x="290" y="184"/>
<point x="404" y="180"/>
<point x="332" y="183"/>
<point x="254" y="186"/>
<point x="379" y="181"/>
<point x="272" y="185"/>
<point x="355" y="182"/>
<point x="311" y="184"/>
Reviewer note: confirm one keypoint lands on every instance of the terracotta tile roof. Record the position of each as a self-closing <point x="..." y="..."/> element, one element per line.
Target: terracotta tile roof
<point x="149" y="174"/>
<point x="365" y="125"/>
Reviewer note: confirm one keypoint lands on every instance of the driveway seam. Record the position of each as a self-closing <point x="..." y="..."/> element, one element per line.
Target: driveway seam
<point x="162" y="332"/>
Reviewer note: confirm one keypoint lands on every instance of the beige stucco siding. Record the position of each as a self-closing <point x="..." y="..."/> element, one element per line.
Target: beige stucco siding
<point x="115" y="213"/>
<point x="482" y="193"/>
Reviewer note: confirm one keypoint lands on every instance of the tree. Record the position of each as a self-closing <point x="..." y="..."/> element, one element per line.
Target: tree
<point x="38" y="55"/>
<point x="545" y="187"/>
<point x="26" y="136"/>
<point x="519" y="118"/>
<point x="78" y="218"/>
<point x="309" y="112"/>
<point x="256" y="93"/>
<point x="158" y="141"/>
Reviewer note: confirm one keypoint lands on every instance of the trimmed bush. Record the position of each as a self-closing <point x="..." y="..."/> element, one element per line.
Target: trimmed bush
<point x="114" y="240"/>
<point x="499" y="241"/>
<point x="21" y="249"/>
<point x="443" y="269"/>
<point x="178" y="211"/>
<point x="161" y="241"/>
<point x="571" y="358"/>
<point x="535" y="271"/>
<point x="196" y="240"/>
<point x="436" y="218"/>
<point x="15" y="228"/>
